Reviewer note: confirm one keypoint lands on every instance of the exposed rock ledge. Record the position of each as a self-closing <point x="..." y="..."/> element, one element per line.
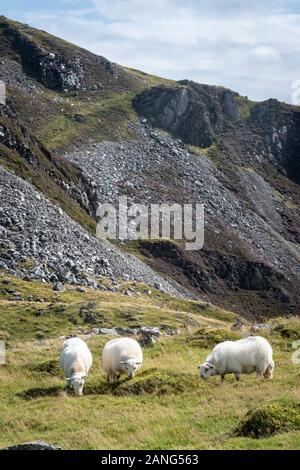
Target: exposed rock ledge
<point x="34" y="445"/>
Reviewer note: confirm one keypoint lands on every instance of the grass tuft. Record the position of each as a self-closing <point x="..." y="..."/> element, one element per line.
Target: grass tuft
<point x="270" y="419"/>
<point x="208" y="338"/>
<point x="157" y="382"/>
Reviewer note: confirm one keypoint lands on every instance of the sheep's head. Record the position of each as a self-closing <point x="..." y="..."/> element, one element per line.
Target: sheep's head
<point x="206" y="370"/>
<point x="130" y="366"/>
<point x="77" y="383"/>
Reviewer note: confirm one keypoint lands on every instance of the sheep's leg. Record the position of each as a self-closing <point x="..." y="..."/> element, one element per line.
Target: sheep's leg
<point x="237" y="376"/>
<point x="268" y="373"/>
<point x="111" y="377"/>
<point x="222" y="379"/>
<point x="115" y="377"/>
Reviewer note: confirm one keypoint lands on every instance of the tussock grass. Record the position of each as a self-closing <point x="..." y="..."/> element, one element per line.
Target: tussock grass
<point x="48" y="367"/>
<point x="157" y="382"/>
<point x="270" y="419"/>
<point x="209" y="337"/>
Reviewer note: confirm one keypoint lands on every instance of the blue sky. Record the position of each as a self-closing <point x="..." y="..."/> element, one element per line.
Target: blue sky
<point x="249" y="46"/>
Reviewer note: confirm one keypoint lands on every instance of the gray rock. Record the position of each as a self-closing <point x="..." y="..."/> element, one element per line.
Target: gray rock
<point x="108" y="331"/>
<point x="62" y="248"/>
<point x="81" y="289"/>
<point x="261" y="326"/>
<point x="237" y="326"/>
<point x="147" y="340"/>
<point x="34" y="445"/>
<point x="59" y="287"/>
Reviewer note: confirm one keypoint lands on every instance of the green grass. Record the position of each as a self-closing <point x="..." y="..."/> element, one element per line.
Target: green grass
<point x="245" y="106"/>
<point x="210" y="152"/>
<point x="44" y="313"/>
<point x="149" y="80"/>
<point x="166" y="406"/>
<point x="104" y="118"/>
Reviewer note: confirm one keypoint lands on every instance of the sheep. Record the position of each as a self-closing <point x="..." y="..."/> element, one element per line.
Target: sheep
<point x="76" y="360"/>
<point x="252" y="354"/>
<point x="121" y="355"/>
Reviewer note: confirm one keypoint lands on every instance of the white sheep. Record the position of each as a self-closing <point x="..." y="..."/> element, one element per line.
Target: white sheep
<point x="244" y="356"/>
<point x="76" y="360"/>
<point x="121" y="355"/>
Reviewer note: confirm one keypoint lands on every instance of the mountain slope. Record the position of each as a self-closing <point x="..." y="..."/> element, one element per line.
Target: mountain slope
<point x="84" y="131"/>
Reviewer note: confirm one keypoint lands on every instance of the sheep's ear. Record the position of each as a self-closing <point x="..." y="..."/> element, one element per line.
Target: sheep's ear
<point x="122" y="362"/>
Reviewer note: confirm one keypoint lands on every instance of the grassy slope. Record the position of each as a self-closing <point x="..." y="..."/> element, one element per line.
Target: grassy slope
<point x="203" y="415"/>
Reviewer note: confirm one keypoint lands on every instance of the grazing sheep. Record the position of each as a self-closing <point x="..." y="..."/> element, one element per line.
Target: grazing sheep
<point x="244" y="356"/>
<point x="121" y="355"/>
<point x="76" y="360"/>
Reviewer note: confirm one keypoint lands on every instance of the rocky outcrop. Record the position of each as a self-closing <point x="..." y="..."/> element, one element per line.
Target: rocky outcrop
<point x="278" y="128"/>
<point x="198" y="114"/>
<point x="195" y="113"/>
<point x="54" y="63"/>
<point x="34" y="445"/>
<point x="253" y="288"/>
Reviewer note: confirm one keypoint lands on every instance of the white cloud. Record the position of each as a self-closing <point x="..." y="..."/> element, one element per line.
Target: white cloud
<point x="266" y="53"/>
<point x="250" y="48"/>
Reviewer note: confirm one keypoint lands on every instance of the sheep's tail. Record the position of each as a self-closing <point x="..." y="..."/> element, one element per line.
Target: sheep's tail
<point x="268" y="374"/>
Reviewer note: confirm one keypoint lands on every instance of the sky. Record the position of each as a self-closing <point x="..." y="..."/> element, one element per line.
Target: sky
<point x="250" y="46"/>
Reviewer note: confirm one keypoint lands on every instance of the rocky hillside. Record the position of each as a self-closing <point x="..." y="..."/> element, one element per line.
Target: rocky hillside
<point x="247" y="252"/>
<point x="83" y="130"/>
<point x="39" y="241"/>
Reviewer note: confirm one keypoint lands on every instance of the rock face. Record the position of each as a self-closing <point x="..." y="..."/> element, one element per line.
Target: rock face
<point x="278" y="128"/>
<point x="195" y="113"/>
<point x="199" y="113"/>
<point x="34" y="445"/>
<point x="64" y="69"/>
